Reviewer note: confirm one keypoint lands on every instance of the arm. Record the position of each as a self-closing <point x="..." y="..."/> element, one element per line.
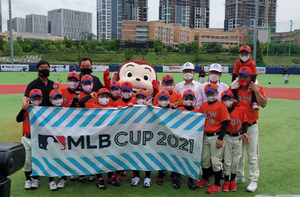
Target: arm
<point x="219" y="142"/>
<point x="25" y="104"/>
<point x="82" y="101"/>
<point x="20" y="115"/>
<point x="261" y="100"/>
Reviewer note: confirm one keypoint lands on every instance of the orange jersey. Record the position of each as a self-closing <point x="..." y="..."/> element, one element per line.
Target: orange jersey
<point x="111" y="101"/>
<point x="91" y="100"/>
<point x="185" y="109"/>
<point x="26" y="123"/>
<point x="215" y="114"/>
<point x="239" y="64"/>
<point x="174" y="97"/>
<point x="237" y="118"/>
<point x="96" y="105"/>
<point x="67" y="97"/>
<point x="120" y="102"/>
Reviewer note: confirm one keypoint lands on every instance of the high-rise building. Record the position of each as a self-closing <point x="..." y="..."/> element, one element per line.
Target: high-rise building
<point x="18" y="24"/>
<point x="36" y="24"/>
<point x="0" y="16"/>
<point x="188" y="13"/>
<point x="110" y="14"/>
<point x="69" y="23"/>
<point x="240" y="13"/>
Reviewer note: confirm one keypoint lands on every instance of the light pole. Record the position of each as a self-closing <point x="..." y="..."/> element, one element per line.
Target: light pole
<point x="290" y="43"/>
<point x="11" y="35"/>
<point x="255" y="30"/>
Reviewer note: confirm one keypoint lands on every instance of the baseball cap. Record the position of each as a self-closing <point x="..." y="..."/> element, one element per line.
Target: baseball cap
<point x="167" y="78"/>
<point x="141" y="92"/>
<point x="103" y="90"/>
<point x="210" y="88"/>
<point x="227" y="93"/>
<point x="126" y="85"/>
<point x="188" y="65"/>
<point x="215" y="67"/>
<point x="245" y="70"/>
<point x="245" y="48"/>
<point x="35" y="92"/>
<point x="55" y="92"/>
<point x="86" y="78"/>
<point x="115" y="84"/>
<point x="163" y="94"/>
<point x="188" y="92"/>
<point x="73" y="74"/>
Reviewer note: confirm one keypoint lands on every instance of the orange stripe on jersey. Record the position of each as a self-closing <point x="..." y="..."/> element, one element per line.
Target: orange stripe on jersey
<point x="26" y="123"/>
<point x="174" y="97"/>
<point x="237" y="118"/>
<point x="67" y="97"/>
<point x="120" y="102"/>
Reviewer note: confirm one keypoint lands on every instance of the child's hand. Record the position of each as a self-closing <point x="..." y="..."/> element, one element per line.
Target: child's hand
<point x="120" y="107"/>
<point x="219" y="143"/>
<point x="175" y="104"/>
<point x="93" y="95"/>
<point x="245" y="137"/>
<point x="130" y="105"/>
<point x="149" y="105"/>
<point x="57" y="83"/>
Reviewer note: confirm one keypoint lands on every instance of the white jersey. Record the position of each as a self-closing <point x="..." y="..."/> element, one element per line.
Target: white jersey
<point x="195" y="86"/>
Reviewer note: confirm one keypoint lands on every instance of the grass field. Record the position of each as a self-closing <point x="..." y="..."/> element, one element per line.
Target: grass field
<point x="279" y="148"/>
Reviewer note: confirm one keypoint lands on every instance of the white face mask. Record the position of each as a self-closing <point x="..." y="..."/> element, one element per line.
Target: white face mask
<point x="214" y="77"/>
<point x="87" y="88"/>
<point x="141" y="101"/>
<point x="36" y="103"/>
<point x="228" y="103"/>
<point x="188" y="102"/>
<point x="57" y="102"/>
<point x="103" y="101"/>
<point x="168" y="88"/>
<point x="245" y="58"/>
<point x="115" y="93"/>
<point x="211" y="98"/>
<point x="72" y="85"/>
<point x="127" y="95"/>
<point x="188" y="76"/>
<point x="163" y="103"/>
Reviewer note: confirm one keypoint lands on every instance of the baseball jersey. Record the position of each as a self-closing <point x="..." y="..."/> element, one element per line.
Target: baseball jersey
<point x="237" y="118"/>
<point x="221" y="88"/>
<point x="111" y="100"/>
<point x="23" y="117"/>
<point x="215" y="114"/>
<point x="239" y="64"/>
<point x="96" y="105"/>
<point x="67" y="97"/>
<point x="174" y="97"/>
<point x="194" y="85"/>
<point x="183" y="108"/>
<point x="122" y="103"/>
<point x="91" y="100"/>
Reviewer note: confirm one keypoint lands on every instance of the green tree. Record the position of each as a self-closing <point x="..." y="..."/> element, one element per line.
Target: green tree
<point x="2" y="43"/>
<point x="214" y="47"/>
<point x="17" y="49"/>
<point x="259" y="55"/>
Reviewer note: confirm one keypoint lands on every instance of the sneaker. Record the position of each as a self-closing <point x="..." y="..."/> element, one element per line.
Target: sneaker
<point x="113" y="180"/>
<point x="34" y="183"/>
<point x="147" y="182"/>
<point x="52" y="186"/>
<point x="239" y="180"/>
<point x="101" y="184"/>
<point x="233" y="186"/>
<point x="73" y="178"/>
<point x="159" y="181"/>
<point x="176" y="182"/>
<point x="91" y="177"/>
<point x="191" y="183"/>
<point x="28" y="184"/>
<point x="255" y="106"/>
<point x="82" y="179"/>
<point x="226" y="186"/>
<point x="61" y="183"/>
<point x="214" y="189"/>
<point x="135" y="181"/>
<point x="252" y="186"/>
<point x="202" y="183"/>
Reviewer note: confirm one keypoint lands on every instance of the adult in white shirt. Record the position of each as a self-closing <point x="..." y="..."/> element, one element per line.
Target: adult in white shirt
<point x="214" y="75"/>
<point x="188" y="70"/>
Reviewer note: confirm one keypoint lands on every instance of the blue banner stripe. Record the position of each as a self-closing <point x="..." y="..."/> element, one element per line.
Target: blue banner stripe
<point x="143" y="115"/>
<point x="79" y="166"/>
<point x="180" y="165"/>
<point x="197" y="163"/>
<point x="171" y="117"/>
<point x="37" y="114"/>
<point x="118" y="161"/>
<point x="191" y="169"/>
<point x="77" y="117"/>
<point x="103" y="118"/>
<point x="91" y="117"/>
<point x="164" y="157"/>
<point x="54" y="112"/>
<point x="116" y="118"/>
<point x="52" y="167"/>
<point x="181" y="121"/>
<point x="65" y="166"/>
<point x="131" y="161"/>
<point x="64" y="117"/>
<point x="40" y="166"/>
<point x="194" y="123"/>
<point x="130" y="114"/>
<point x="105" y="163"/>
<point x="201" y="128"/>
<point x="93" y="165"/>
<point x="146" y="164"/>
<point x="157" y="115"/>
<point x="156" y="161"/>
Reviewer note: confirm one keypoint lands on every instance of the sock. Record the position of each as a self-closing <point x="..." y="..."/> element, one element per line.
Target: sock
<point x="99" y="176"/>
<point x="51" y="179"/>
<point x="109" y="174"/>
<point x="233" y="177"/>
<point x="206" y="173"/>
<point x="136" y="173"/>
<point x="148" y="174"/>
<point x="27" y="175"/>
<point x="63" y="177"/>
<point x="226" y="178"/>
<point x="218" y="176"/>
<point x="160" y="174"/>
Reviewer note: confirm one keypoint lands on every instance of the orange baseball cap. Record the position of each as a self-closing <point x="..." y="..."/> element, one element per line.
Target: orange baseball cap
<point x="167" y="78"/>
<point x="126" y="85"/>
<point x="103" y="90"/>
<point x="142" y="92"/>
<point x="86" y="78"/>
<point x="115" y="84"/>
<point x="55" y="92"/>
<point x="189" y="92"/>
<point x="35" y="92"/>
<point x="227" y="93"/>
<point x="245" y="48"/>
<point x="211" y="87"/>
<point x="74" y="75"/>
<point x="245" y="70"/>
<point x="163" y="94"/>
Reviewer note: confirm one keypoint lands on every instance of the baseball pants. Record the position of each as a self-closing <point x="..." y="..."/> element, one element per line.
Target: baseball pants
<point x="211" y="155"/>
<point x="232" y="154"/>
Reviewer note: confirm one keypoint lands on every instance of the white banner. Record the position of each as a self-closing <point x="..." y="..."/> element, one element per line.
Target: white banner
<point x="225" y="69"/>
<point x="76" y="141"/>
<point x="172" y="69"/>
<point x="14" y="68"/>
<point x="99" y="68"/>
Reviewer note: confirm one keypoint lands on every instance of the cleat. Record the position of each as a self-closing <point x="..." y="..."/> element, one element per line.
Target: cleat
<point x="52" y="186"/>
<point x="202" y="183"/>
<point x="191" y="183"/>
<point x="101" y="184"/>
<point x="214" y="189"/>
<point x="82" y="179"/>
<point x="159" y="181"/>
<point x="239" y="180"/>
<point x="61" y="183"/>
<point x="226" y="186"/>
<point x="147" y="182"/>
<point x="233" y="186"/>
<point x="34" y="183"/>
<point x="176" y="182"/>
<point x="91" y="178"/>
<point x="135" y="181"/>
<point x="252" y="186"/>
<point x="28" y="184"/>
<point x="73" y="178"/>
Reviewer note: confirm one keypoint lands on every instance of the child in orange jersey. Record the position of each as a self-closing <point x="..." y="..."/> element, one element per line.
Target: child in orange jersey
<point x="216" y="122"/>
<point x="236" y="130"/>
<point x="36" y="97"/>
<point x="103" y="99"/>
<point x="70" y="92"/>
<point x="126" y="99"/>
<point x="115" y="92"/>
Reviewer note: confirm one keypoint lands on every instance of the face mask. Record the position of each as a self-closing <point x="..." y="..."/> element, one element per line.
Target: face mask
<point x="44" y="73"/>
<point x="245" y="58"/>
<point x="103" y="101"/>
<point x="72" y="85"/>
<point x="141" y="101"/>
<point x="188" y="102"/>
<point x="36" y="103"/>
<point x="115" y="93"/>
<point x="127" y="95"/>
<point x="188" y="76"/>
<point x="163" y="103"/>
<point x="228" y="103"/>
<point x="211" y="98"/>
<point x="214" y="77"/>
<point x="168" y="88"/>
<point x="57" y="102"/>
<point x="244" y="83"/>
<point x="86" y="71"/>
<point x="87" y="88"/>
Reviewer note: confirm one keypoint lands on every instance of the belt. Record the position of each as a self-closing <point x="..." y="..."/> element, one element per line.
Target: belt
<point x="27" y="135"/>
<point x="212" y="134"/>
<point x="252" y="123"/>
<point x="233" y="134"/>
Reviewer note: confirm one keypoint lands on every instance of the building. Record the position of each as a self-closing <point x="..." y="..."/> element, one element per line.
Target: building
<point x="36" y="24"/>
<point x="240" y="13"/>
<point x="0" y="16"/>
<point x="110" y="14"/>
<point x="69" y="23"/>
<point x="187" y="13"/>
<point x="28" y="36"/>
<point x="18" y="24"/>
<point x="285" y="37"/>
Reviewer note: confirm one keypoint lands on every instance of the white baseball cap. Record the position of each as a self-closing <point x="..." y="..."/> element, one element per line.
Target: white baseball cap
<point x="188" y="65"/>
<point x="215" y="67"/>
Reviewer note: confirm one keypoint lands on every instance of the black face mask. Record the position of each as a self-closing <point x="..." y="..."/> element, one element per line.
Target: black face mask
<point x="86" y="71"/>
<point x="44" y="73"/>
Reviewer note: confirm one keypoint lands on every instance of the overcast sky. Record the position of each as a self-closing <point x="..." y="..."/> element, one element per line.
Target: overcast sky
<point x="287" y="10"/>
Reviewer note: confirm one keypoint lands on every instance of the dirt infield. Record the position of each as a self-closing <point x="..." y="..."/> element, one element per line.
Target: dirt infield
<point x="281" y="93"/>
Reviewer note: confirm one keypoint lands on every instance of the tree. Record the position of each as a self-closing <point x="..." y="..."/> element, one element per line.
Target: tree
<point x="259" y="56"/>
<point x="2" y="43"/>
<point x="17" y="49"/>
<point x="214" y="47"/>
